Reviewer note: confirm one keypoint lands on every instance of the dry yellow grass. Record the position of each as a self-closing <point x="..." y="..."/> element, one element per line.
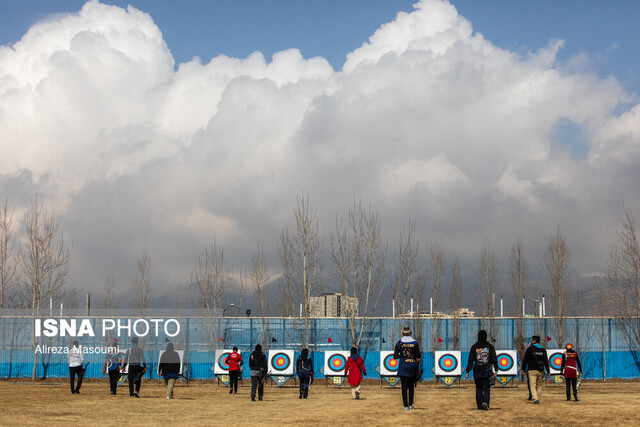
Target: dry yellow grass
<point x="51" y="403"/>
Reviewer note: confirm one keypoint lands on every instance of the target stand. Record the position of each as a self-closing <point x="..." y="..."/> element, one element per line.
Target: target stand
<point x="448" y="368"/>
<point x="555" y="365"/>
<point x="280" y="366"/>
<point x="335" y="363"/>
<point x="507" y="367"/>
<point x="388" y="369"/>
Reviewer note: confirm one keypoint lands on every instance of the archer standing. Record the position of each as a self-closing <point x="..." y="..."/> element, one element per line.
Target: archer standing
<point x="169" y="368"/>
<point x="535" y="364"/>
<point x="75" y="358"/>
<point x="572" y="370"/>
<point x="304" y="367"/>
<point x="355" y="372"/>
<point x="407" y="352"/>
<point x="234" y="361"/>
<point x="112" y="366"/>
<point x="137" y="367"/>
<point x="482" y="357"/>
<point x="258" y="371"/>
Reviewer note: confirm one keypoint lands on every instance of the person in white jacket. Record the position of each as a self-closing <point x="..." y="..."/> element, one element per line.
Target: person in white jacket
<point x="75" y="358"/>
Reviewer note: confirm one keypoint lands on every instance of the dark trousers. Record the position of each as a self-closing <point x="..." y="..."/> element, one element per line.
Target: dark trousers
<point x="408" y="386"/>
<point x="73" y="371"/>
<point x="304" y="386"/>
<point x="571" y="383"/>
<point x="135" y="378"/>
<point x="483" y="391"/>
<point x="256" y="383"/>
<point x="233" y="381"/>
<point x="114" y="376"/>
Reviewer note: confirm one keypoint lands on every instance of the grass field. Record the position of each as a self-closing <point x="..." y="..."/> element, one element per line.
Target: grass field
<point x="23" y="402"/>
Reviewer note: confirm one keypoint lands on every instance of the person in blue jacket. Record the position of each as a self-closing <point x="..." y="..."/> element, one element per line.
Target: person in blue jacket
<point x="304" y="366"/>
<point x="408" y="354"/>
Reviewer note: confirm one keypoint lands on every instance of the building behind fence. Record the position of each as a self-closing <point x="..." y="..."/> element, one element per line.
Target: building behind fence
<point x="599" y="341"/>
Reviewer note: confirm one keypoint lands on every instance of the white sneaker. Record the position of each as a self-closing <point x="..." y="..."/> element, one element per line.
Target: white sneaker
<point x="406" y="408"/>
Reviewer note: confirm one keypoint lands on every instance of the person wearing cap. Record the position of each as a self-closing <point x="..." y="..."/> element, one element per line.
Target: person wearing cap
<point x="75" y="358"/>
<point x="535" y="364"/>
<point x="137" y="367"/>
<point x="234" y="361"/>
<point x="572" y="370"/>
<point x="258" y="372"/>
<point x="112" y="366"/>
<point x="355" y="372"/>
<point x="407" y="352"/>
<point x="482" y="357"/>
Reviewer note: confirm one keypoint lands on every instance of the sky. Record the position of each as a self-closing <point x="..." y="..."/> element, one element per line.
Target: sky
<point x="160" y="125"/>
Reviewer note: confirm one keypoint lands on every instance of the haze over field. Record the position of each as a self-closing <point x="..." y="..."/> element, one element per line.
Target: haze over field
<point x="426" y="120"/>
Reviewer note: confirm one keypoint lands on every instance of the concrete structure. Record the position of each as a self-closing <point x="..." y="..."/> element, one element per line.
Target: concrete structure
<point x="333" y="305"/>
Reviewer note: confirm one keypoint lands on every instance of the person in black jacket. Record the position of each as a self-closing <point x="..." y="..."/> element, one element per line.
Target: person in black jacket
<point x="169" y="368"/>
<point x="482" y="357"/>
<point x="535" y="364"/>
<point x="304" y="367"/>
<point x="258" y="367"/>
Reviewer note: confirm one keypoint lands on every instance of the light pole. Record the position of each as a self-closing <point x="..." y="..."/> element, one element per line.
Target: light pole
<point x="227" y="307"/>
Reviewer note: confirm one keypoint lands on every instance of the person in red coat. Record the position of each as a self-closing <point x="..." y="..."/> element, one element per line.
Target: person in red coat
<point x="234" y="360"/>
<point x="355" y="372"/>
<point x="572" y="370"/>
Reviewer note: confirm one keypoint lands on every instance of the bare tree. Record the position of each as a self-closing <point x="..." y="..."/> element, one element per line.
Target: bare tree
<point x="211" y="277"/>
<point x="623" y="277"/>
<point x="8" y="261"/>
<point x="406" y="267"/>
<point x="142" y="282"/>
<point x="301" y="256"/>
<point x="455" y="300"/>
<point x="260" y="276"/>
<point x="518" y="278"/>
<point x="488" y="282"/>
<point x="358" y="253"/>
<point x="555" y="262"/>
<point x="602" y="328"/>
<point x="44" y="259"/>
<point x="110" y="299"/>
<point x="436" y="273"/>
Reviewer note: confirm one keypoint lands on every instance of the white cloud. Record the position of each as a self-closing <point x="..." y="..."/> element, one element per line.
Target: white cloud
<point x="426" y="119"/>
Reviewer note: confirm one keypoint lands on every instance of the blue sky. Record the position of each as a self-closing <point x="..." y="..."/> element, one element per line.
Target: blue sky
<point x="104" y="115"/>
<point x="606" y="31"/>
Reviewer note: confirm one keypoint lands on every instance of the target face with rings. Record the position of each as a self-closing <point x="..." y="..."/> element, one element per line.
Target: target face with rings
<point x="220" y="368"/>
<point x="555" y="361"/>
<point x="280" y="362"/>
<point x="335" y="362"/>
<point x="507" y="362"/>
<point x="390" y="364"/>
<point x="448" y="363"/>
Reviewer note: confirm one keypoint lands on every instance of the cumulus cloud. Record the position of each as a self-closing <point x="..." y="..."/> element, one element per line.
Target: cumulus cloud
<point x="427" y="119"/>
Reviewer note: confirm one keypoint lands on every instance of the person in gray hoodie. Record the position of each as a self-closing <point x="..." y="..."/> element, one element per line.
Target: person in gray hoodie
<point x="75" y="358"/>
<point x="137" y="367"/>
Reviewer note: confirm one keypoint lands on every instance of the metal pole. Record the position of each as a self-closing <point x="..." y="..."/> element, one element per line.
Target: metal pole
<point x="501" y="308"/>
<point x="393" y="307"/>
<point x="544" y="311"/>
<point x="431" y="306"/>
<point x="88" y="304"/>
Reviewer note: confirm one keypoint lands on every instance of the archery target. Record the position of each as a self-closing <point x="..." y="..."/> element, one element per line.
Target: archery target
<point x="180" y="354"/>
<point x="507" y="362"/>
<point x="280" y="362"/>
<point x="335" y="362"/>
<point x="388" y="365"/>
<point x="448" y="364"/>
<point x="555" y="361"/>
<point x="221" y="368"/>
